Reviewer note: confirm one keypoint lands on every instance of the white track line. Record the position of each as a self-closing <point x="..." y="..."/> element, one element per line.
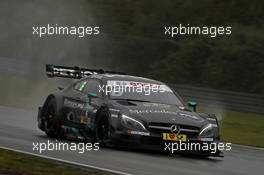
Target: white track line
<point x="67" y="161"/>
<point x="248" y="147"/>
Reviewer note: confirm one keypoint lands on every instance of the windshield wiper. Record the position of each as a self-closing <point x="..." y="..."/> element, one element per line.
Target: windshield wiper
<point x="128" y="99"/>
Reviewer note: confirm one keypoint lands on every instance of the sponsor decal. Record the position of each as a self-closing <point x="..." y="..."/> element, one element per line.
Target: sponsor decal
<point x="174" y="137"/>
<point x="164" y="111"/>
<point x="156" y="105"/>
<point x="114" y="115"/>
<point x="147" y="111"/>
<point x="85" y="120"/>
<point x="73" y="104"/>
<point x="138" y="133"/>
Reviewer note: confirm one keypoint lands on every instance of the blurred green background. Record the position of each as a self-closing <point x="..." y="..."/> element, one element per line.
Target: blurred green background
<point x="138" y="43"/>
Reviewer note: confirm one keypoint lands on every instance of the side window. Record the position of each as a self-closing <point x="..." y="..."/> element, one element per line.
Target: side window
<point x="92" y="86"/>
<point x="80" y="85"/>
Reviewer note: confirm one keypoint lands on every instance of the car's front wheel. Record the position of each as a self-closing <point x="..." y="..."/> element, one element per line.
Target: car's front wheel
<point x="102" y="129"/>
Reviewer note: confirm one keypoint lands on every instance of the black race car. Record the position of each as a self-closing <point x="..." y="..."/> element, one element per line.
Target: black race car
<point x="118" y="109"/>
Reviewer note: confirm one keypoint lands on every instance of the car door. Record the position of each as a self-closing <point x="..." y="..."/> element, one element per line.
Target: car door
<point x="74" y="102"/>
<point x="78" y="106"/>
<point x="94" y="100"/>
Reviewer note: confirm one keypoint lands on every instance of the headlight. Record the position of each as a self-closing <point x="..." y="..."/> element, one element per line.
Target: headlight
<point x="207" y="130"/>
<point x="132" y="123"/>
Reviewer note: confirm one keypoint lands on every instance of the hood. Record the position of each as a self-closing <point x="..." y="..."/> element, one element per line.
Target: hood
<point x="160" y="113"/>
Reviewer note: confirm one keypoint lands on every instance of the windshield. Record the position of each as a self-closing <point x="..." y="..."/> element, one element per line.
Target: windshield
<point x="141" y="91"/>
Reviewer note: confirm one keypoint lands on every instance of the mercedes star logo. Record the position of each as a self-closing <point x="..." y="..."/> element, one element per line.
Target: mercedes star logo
<point x="175" y="129"/>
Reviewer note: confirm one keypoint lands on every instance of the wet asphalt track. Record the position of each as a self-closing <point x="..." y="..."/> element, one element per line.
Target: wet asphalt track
<point x="18" y="130"/>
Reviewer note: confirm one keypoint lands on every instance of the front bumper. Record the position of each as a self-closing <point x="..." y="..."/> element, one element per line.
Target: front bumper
<point x="155" y="142"/>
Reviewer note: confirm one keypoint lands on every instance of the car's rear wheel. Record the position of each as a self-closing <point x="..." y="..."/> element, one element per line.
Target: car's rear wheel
<point x="102" y="129"/>
<point x="50" y="119"/>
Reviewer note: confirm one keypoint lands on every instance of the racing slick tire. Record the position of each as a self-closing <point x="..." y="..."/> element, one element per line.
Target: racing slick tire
<point x="102" y="128"/>
<point x="50" y="124"/>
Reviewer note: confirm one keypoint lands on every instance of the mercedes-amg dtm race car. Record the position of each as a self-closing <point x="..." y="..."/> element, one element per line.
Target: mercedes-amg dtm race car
<point x="118" y="109"/>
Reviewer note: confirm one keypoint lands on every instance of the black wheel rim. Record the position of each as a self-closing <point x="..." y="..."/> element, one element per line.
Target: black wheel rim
<point x="102" y="129"/>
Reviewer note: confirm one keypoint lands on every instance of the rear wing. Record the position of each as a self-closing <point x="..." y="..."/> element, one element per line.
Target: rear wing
<point x="74" y="72"/>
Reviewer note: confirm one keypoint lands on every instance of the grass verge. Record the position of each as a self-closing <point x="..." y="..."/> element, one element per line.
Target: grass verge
<point x="240" y="127"/>
<point x="13" y="163"/>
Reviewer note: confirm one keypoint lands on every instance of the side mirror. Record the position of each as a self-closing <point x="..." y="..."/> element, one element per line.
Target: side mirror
<point x="90" y="96"/>
<point x="193" y="105"/>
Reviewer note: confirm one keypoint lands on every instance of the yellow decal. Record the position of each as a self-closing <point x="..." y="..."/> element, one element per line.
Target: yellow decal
<point x="85" y="120"/>
<point x="174" y="137"/>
